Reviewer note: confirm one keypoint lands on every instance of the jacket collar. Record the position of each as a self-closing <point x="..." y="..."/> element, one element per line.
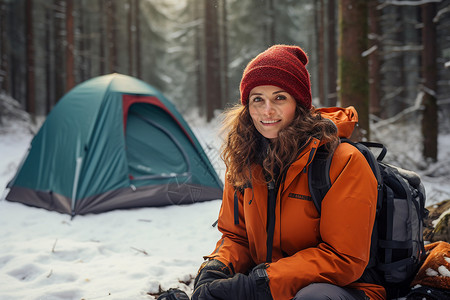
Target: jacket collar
<point x="304" y="159"/>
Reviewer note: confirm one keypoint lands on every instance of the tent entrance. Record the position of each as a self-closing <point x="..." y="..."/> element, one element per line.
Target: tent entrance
<point x="153" y="146"/>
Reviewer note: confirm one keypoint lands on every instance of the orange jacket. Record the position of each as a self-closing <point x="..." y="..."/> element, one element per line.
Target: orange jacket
<point x="333" y="247"/>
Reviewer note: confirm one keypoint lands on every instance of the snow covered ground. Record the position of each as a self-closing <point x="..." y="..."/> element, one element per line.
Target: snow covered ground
<point x="124" y="254"/>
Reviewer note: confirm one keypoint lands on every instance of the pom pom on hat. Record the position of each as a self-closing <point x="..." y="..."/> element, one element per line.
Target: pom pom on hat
<point x="282" y="66"/>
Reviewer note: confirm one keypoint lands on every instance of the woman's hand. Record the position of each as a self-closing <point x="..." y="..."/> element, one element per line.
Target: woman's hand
<point x="209" y="271"/>
<point x="255" y="286"/>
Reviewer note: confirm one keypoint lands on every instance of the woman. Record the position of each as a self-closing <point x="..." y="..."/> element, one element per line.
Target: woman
<point x="275" y="245"/>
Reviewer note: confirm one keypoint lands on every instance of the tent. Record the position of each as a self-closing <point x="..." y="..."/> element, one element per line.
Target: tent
<point x="113" y="142"/>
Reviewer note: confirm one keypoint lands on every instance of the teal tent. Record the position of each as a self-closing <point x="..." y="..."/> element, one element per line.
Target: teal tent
<point x="113" y="142"/>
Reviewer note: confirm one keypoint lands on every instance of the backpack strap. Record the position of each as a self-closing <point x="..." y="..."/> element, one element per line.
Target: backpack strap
<point x="236" y="206"/>
<point x="319" y="181"/>
<point x="271" y="204"/>
<point x="319" y="171"/>
<point x="380" y="146"/>
<point x="363" y="147"/>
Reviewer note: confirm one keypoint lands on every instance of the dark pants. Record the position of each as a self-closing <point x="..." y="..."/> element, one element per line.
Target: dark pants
<point x="326" y="291"/>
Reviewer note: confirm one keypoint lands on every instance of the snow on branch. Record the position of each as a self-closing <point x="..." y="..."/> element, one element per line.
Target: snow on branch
<point x="405" y="48"/>
<point x="440" y="13"/>
<point x="416" y="107"/>
<point x="406" y="3"/>
<point x="429" y="91"/>
<point x="369" y="51"/>
<point x="443" y="101"/>
<point x="394" y="93"/>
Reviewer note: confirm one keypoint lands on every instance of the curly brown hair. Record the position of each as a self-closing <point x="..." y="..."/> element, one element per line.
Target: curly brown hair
<point x="243" y="143"/>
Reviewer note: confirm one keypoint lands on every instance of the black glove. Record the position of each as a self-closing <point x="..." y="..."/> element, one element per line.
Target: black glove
<point x="204" y="276"/>
<point x="201" y="291"/>
<point x="209" y="271"/>
<point x="255" y="286"/>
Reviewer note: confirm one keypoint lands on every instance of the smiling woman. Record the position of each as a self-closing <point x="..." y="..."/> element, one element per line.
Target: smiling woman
<point x="274" y="243"/>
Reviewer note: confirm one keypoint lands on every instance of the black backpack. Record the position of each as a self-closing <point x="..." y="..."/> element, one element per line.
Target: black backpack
<point x="397" y="246"/>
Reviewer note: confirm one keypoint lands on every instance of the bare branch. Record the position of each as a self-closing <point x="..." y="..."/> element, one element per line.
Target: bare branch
<point x="188" y="281"/>
<point x="144" y="220"/>
<point x="54" y="246"/>
<point x="140" y="250"/>
<point x="393" y="94"/>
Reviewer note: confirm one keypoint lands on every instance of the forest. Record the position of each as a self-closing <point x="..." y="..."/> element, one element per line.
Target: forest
<point x="390" y="59"/>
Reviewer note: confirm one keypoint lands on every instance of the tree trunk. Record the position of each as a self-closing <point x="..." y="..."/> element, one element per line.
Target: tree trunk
<point x="321" y="47"/>
<point x="429" y="74"/>
<point x="138" y="38"/>
<point x="31" y="101"/>
<point x="224" y="54"/>
<point x="49" y="101"/>
<point x="198" y="11"/>
<point x="58" y="53"/>
<point x="130" y="30"/>
<point x="88" y="47"/>
<point x="70" y="79"/>
<point x="331" y="54"/>
<point x="4" y="53"/>
<point x="353" y="67"/>
<point x="270" y="22"/>
<point x="111" y="34"/>
<point x="212" y="48"/>
<point x="374" y="59"/>
<point x="82" y="42"/>
<point x="102" y="37"/>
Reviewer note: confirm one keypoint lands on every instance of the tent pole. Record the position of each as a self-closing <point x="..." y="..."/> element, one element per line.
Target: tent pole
<point x="75" y="182"/>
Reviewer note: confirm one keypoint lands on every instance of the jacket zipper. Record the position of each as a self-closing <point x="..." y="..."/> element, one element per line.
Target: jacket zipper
<point x="271" y="204"/>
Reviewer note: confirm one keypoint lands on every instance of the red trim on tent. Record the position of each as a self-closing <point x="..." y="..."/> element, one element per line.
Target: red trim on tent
<point x="128" y="100"/>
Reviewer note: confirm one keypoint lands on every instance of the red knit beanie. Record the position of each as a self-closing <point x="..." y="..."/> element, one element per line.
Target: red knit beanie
<point x="282" y="66"/>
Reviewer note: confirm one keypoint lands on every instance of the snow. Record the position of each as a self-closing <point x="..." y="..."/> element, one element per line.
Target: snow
<point x="122" y="254"/>
<point x="431" y="273"/>
<point x="443" y="271"/>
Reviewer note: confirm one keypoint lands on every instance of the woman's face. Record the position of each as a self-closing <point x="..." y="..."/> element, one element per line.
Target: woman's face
<point x="271" y="109"/>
